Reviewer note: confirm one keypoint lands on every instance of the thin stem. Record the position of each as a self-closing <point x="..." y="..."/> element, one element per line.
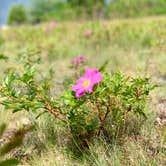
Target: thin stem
<point x="107" y="112"/>
<point x="103" y="120"/>
<point x="52" y="111"/>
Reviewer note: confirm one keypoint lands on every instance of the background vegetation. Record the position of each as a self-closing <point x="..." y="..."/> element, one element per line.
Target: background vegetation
<point x="46" y="10"/>
<point x="18" y="15"/>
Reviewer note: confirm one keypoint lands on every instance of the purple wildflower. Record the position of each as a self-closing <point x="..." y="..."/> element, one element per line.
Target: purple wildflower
<point x="87" y="33"/>
<point x="78" y="60"/>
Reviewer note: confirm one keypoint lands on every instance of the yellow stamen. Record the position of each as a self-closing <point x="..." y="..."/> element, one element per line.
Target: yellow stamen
<point x="86" y="83"/>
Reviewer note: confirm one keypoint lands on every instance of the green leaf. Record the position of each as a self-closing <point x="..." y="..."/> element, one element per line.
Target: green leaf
<point x="40" y="114"/>
<point x="2" y="128"/>
<point x="3" y="57"/>
<point x="9" y="162"/>
<point x="103" y="67"/>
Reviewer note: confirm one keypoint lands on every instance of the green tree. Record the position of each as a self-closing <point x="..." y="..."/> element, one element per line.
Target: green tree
<point x="86" y="2"/>
<point x="17" y="15"/>
<point x="42" y="8"/>
<point x="89" y="7"/>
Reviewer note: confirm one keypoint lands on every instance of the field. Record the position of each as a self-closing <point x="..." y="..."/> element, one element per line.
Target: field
<point x="136" y="47"/>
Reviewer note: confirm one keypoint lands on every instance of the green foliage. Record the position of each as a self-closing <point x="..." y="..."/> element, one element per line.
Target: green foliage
<point x="46" y="10"/>
<point x="3" y="57"/>
<point x="103" y="112"/>
<point x="85" y="2"/>
<point x="108" y="108"/>
<point x="90" y="8"/>
<point x="135" y="8"/>
<point x="42" y="8"/>
<point x="9" y="162"/>
<point x="17" y="15"/>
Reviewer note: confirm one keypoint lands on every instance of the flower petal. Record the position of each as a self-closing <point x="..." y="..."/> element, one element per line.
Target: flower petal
<point x="80" y="93"/>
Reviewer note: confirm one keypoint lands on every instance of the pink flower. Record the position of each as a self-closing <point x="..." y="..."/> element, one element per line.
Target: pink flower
<point x="50" y="26"/>
<point x="87" y="82"/>
<point x="78" y="60"/>
<point x="87" y="33"/>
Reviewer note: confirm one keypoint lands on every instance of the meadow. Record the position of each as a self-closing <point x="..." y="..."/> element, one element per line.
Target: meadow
<point x="137" y="47"/>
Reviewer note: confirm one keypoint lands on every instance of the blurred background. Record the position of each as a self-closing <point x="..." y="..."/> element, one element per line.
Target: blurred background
<point x="36" y="11"/>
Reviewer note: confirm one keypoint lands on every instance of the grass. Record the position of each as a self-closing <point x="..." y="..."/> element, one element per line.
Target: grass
<point x="134" y="46"/>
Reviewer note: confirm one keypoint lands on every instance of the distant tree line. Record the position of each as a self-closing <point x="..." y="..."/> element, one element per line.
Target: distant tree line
<point x="45" y="10"/>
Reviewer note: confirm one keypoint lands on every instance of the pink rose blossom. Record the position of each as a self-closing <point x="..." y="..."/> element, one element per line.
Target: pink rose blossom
<point x="87" y="82"/>
<point x="50" y="26"/>
<point x="87" y="33"/>
<point x="78" y="60"/>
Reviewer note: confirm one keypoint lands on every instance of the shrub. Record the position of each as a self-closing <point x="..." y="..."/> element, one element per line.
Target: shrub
<point x="106" y="110"/>
<point x="17" y="15"/>
<point x="99" y="104"/>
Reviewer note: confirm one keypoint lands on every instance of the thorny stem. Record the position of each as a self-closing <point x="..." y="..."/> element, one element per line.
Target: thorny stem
<point x="99" y="114"/>
<point x="138" y="93"/>
<point x="107" y="112"/>
<point x="52" y="111"/>
<point x="103" y="120"/>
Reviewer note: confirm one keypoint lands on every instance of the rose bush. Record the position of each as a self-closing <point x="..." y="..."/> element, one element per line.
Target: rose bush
<point x="99" y="104"/>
